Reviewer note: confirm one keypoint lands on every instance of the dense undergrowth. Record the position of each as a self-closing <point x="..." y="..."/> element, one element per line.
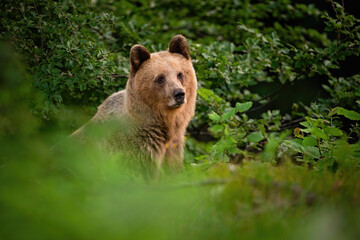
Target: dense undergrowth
<point x="273" y="151"/>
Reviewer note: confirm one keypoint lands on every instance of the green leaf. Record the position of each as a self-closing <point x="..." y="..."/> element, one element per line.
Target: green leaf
<point x="294" y="145"/>
<point x="350" y="114"/>
<point x="227" y="115"/>
<point x="309" y="141"/>
<point x="312" y="152"/>
<point x="214" y="116"/>
<point x="358" y="102"/>
<point x="333" y="131"/>
<point x="242" y="107"/>
<point x="319" y="133"/>
<point x="255" y="137"/>
<point x="208" y="95"/>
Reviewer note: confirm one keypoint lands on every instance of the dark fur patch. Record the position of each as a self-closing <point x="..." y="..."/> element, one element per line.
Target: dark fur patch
<point x="154" y="135"/>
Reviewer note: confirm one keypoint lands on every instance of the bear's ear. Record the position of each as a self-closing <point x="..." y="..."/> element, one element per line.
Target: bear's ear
<point x="138" y="55"/>
<point x="178" y="44"/>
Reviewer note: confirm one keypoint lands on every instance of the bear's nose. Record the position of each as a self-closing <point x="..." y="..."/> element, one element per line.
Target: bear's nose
<point x="179" y="95"/>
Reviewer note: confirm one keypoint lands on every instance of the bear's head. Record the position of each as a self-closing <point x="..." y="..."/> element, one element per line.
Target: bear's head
<point x="165" y="80"/>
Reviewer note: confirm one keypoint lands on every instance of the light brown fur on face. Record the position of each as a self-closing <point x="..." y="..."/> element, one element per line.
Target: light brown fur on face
<point x="156" y="105"/>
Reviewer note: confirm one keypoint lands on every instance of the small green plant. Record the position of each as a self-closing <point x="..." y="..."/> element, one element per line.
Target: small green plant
<point x="318" y="140"/>
<point x="236" y="133"/>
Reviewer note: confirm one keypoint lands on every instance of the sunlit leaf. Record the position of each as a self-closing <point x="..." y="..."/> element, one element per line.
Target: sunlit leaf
<point x="242" y="107"/>
<point x="312" y="152"/>
<point x="208" y="95"/>
<point x="350" y="114"/>
<point x="227" y="115"/>
<point x="214" y="116"/>
<point x="255" y="137"/>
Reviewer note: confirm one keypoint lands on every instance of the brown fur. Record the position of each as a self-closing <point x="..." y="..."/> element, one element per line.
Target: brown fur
<point x="155" y="124"/>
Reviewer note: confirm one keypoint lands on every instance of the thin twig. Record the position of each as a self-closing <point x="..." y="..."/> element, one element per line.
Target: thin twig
<point x="291" y="124"/>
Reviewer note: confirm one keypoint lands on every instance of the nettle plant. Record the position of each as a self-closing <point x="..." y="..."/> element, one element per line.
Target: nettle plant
<point x="321" y="144"/>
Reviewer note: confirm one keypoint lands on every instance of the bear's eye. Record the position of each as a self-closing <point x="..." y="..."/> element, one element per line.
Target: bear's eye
<point x="180" y="76"/>
<point x="160" y="80"/>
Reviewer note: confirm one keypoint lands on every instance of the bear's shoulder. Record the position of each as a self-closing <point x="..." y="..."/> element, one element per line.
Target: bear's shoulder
<point x="113" y="106"/>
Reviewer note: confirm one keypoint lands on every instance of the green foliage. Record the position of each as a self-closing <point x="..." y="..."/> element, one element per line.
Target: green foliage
<point x="71" y="51"/>
<point x="246" y="175"/>
<point x="318" y="139"/>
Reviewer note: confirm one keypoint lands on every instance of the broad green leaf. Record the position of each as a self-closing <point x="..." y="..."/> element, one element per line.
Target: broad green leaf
<point x="255" y="137"/>
<point x="227" y="115"/>
<point x="214" y="116"/>
<point x="309" y="141"/>
<point x="312" y="152"/>
<point x="333" y="131"/>
<point x="242" y="107"/>
<point x="208" y="95"/>
<point x="358" y="102"/>
<point x="293" y="145"/>
<point x="319" y="133"/>
<point x="350" y="114"/>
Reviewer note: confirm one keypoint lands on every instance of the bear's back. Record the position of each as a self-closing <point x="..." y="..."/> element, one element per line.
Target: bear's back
<point x="113" y="107"/>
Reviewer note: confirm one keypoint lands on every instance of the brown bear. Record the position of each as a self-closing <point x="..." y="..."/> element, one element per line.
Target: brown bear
<point x="152" y="113"/>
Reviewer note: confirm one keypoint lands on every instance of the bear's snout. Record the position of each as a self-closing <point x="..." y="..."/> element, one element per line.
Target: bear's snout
<point x="179" y="96"/>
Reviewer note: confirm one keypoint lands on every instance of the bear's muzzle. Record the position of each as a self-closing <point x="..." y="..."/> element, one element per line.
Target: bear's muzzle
<point x="179" y="97"/>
